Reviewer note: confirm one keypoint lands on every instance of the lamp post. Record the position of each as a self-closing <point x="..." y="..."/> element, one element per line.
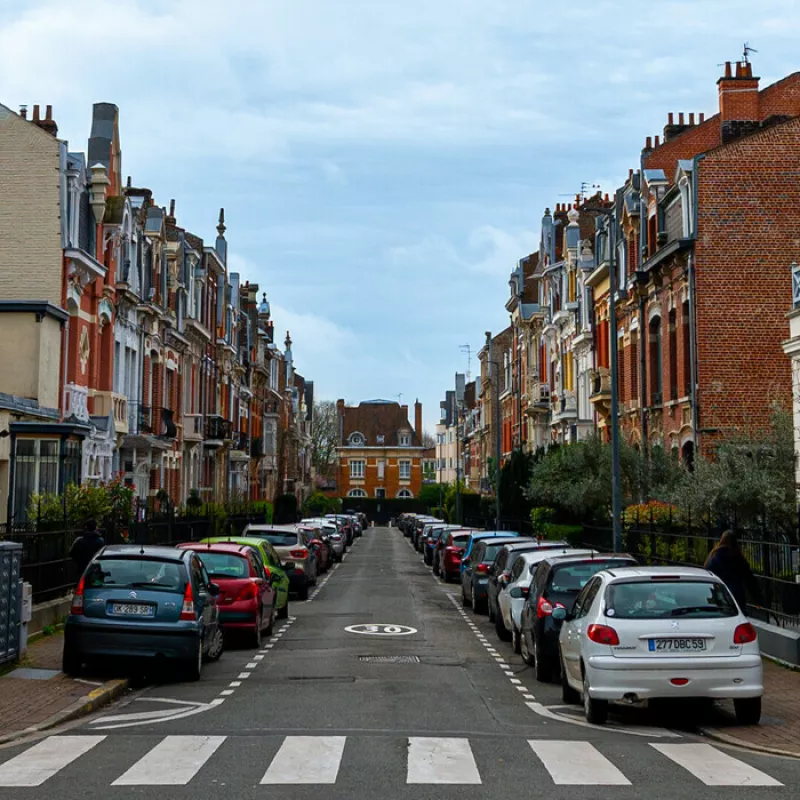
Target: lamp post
<point x="497" y="432"/>
<point x="616" y="488"/>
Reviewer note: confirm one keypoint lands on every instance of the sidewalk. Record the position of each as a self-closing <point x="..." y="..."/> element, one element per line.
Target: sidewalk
<point x="779" y="731"/>
<point x="36" y="695"/>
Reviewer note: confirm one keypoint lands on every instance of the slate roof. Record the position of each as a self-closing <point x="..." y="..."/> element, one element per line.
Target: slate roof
<point x="373" y="419"/>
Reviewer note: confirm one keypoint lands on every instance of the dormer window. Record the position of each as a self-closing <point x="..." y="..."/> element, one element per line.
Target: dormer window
<point x="356" y="439"/>
<point x="405" y="439"/>
<point x="380" y="438"/>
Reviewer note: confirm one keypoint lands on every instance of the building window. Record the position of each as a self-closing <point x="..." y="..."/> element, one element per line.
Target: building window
<point x="654" y="367"/>
<point x="451" y="437"/>
<point x="357" y="468"/>
<point x="380" y="493"/>
<point x="381" y="469"/>
<point x="35" y="471"/>
<point x="405" y="470"/>
<point x="405" y="494"/>
<point x="380" y="438"/>
<point x="356" y="493"/>
<point x="673" y="356"/>
<point x="356" y="439"/>
<point x="405" y="439"/>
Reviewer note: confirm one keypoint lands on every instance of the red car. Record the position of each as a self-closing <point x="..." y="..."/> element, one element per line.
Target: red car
<point x="246" y="600"/>
<point x="321" y="547"/>
<point x="450" y="556"/>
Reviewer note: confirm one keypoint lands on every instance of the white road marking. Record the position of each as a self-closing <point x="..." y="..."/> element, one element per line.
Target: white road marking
<point x="259" y="657"/>
<point x="650" y="733"/>
<point x="529" y="697"/>
<point x="251" y="665"/>
<point x="515" y="681"/>
<point x="42" y="761"/>
<point x="441" y="760"/>
<point x="713" y="767"/>
<point x="235" y="684"/>
<point x="295" y="764"/>
<point x="243" y="675"/>
<point x="573" y="763"/>
<point x="172" y="762"/>
<point x="196" y="708"/>
<point x="226" y="692"/>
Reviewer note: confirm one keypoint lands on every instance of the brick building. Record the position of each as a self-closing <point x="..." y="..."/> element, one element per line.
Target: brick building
<point x="379" y="453"/>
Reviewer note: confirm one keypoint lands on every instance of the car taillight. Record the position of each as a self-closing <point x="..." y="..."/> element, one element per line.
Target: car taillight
<point x="187" y="611"/>
<point x="248" y="592"/>
<point x="602" y="634"/>
<point x="482" y="568"/>
<point x="267" y="573"/>
<point x="744" y="634"/>
<point x="77" y="599"/>
<point x="301" y="553"/>
<point x="544" y="608"/>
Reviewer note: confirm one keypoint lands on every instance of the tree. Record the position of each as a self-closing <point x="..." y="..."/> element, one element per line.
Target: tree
<point x="428" y="440"/>
<point x="324" y="436"/>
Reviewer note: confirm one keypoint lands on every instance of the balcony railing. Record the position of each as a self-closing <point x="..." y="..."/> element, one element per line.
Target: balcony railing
<point x="106" y="403"/>
<point x="218" y="429"/>
<point x="77" y="402"/>
<point x="241" y="441"/>
<point x="144" y="422"/>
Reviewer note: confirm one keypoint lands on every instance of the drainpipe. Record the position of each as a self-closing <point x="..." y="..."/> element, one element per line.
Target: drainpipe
<point x="695" y="405"/>
<point x="64" y="368"/>
<point x="643" y="345"/>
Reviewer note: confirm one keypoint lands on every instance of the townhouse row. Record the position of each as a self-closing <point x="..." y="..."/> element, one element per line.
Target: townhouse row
<point x="128" y="348"/>
<point x="699" y="240"/>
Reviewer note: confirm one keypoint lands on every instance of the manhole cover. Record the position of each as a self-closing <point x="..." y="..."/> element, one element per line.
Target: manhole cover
<point x="389" y="659"/>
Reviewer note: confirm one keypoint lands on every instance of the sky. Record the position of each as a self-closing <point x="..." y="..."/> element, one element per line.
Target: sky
<point x="382" y="165"/>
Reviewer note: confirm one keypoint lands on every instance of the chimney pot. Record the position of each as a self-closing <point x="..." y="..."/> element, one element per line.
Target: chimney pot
<point x="649" y="143"/>
<point x="702" y="117"/>
<point x="749" y="70"/>
<point x="36" y="113"/>
<point x="630" y="173"/>
<point x="691" y="118"/>
<point x="606" y="197"/>
<point x="48" y="114"/>
<point x="658" y="141"/>
<point x="739" y="70"/>
<point x="680" y="119"/>
<point x="670" y="118"/>
<point x="23" y="112"/>
<point x="728" y="73"/>
<point x="172" y="208"/>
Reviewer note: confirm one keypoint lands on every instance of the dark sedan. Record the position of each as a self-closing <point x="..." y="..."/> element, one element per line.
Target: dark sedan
<point x="475" y="576"/>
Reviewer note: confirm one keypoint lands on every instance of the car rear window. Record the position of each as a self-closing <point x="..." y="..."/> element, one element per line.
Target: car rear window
<point x="459" y="541"/>
<point x="277" y="538"/>
<point x="678" y="598"/>
<point x="491" y="551"/>
<point x="571" y="578"/>
<point x="136" y="573"/>
<point x="225" y="565"/>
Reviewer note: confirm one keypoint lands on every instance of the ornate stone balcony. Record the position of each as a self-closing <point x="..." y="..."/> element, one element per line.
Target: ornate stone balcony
<point x="106" y="403"/>
<point x="193" y="427"/>
<point x="77" y="402"/>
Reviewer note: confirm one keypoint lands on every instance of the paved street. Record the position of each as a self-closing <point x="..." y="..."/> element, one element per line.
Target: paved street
<point x="445" y="711"/>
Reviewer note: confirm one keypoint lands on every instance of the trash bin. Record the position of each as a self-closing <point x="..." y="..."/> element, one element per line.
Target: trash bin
<point x="10" y="600"/>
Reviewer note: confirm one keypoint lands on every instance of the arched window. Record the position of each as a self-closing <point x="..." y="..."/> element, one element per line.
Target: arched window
<point x="405" y="494"/>
<point x="356" y="439"/>
<point x="654" y="365"/>
<point x="356" y="493"/>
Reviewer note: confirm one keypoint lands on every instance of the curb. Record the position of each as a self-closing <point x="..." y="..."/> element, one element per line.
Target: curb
<point x="713" y="733"/>
<point x="97" y="698"/>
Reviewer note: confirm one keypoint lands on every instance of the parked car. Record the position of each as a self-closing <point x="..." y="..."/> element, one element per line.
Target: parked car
<point x="476" y="571"/>
<point x="291" y="543"/>
<point x="144" y="602"/>
<point x="246" y="599"/>
<point x="330" y="532"/>
<point x="272" y="565"/>
<point x="503" y="561"/>
<point x="476" y="536"/>
<point x="451" y="553"/>
<point x="434" y="533"/>
<point x="556" y="582"/>
<point x="658" y="632"/>
<point x="319" y="542"/>
<point x="346" y="527"/>
<point x="418" y="529"/>
<point x="511" y="600"/>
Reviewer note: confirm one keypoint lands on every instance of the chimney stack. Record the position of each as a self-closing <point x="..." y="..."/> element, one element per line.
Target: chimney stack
<point x="739" y="102"/>
<point x="691" y="118"/>
<point x="171" y="216"/>
<point x="23" y="112"/>
<point x="48" y="123"/>
<point x="418" y="419"/>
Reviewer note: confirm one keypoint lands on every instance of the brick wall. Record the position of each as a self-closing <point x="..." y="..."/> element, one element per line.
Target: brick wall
<point x="30" y="232"/>
<point x="748" y="196"/>
<point x="391" y="481"/>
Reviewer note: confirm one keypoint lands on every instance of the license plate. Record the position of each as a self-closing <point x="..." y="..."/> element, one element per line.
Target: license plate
<point x="132" y="610"/>
<point x="677" y="645"/>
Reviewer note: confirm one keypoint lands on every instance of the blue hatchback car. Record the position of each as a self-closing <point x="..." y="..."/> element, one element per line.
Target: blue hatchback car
<point x="144" y="602"/>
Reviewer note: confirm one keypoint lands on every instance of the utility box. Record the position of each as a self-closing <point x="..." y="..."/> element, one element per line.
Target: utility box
<point x="10" y="600"/>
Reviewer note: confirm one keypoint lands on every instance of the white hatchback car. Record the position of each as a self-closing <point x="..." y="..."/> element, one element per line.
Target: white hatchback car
<point x="511" y="598"/>
<point x="639" y="633"/>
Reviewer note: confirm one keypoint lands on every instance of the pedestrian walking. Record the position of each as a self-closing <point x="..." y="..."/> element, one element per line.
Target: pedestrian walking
<point x="729" y="564"/>
<point x="84" y="547"/>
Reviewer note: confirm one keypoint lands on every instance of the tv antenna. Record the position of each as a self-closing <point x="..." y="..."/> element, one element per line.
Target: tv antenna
<point x="399" y="397"/>
<point x="585" y="186"/>
<point x="465" y="348"/>
<point x="746" y="53"/>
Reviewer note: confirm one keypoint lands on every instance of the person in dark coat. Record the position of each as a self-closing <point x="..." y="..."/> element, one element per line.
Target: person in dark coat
<point x="84" y="547"/>
<point x="729" y="564"/>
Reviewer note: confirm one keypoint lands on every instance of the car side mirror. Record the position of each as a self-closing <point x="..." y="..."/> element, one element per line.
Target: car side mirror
<point x="515" y="592"/>
<point x="213" y="589"/>
<point x="560" y="613"/>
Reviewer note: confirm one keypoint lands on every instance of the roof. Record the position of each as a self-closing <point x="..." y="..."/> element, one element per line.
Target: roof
<point x="663" y="572"/>
<point x="215" y="547"/>
<point x="195" y="242"/>
<point x="151" y="551"/>
<point x="377" y="418"/>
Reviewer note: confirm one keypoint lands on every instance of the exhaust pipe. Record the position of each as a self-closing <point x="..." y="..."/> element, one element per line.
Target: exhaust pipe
<point x="630" y="697"/>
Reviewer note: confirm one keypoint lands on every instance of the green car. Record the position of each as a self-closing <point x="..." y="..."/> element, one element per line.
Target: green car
<point x="272" y="562"/>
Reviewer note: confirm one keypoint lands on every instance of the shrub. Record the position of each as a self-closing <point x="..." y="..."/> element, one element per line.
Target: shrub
<point x="653" y="512"/>
<point x="540" y="517"/>
<point x="318" y="504"/>
<point x="285" y="509"/>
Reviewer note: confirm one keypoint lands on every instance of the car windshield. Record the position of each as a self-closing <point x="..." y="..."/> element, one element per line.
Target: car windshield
<point x="460" y="541"/>
<point x="129" y="573"/>
<point x="277" y="538"/>
<point x="491" y="551"/>
<point x="675" y="598"/>
<point x="571" y="578"/>
<point x="225" y="565"/>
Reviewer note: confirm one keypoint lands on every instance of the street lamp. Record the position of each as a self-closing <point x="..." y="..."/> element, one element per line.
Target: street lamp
<point x="497" y="431"/>
<point x="616" y="488"/>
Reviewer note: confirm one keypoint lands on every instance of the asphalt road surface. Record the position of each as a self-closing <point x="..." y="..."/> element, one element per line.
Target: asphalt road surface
<point x="424" y="702"/>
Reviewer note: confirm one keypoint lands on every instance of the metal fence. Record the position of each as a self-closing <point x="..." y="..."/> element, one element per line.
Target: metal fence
<point x="47" y="566"/>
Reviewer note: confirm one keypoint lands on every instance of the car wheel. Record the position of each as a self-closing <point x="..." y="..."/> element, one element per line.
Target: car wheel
<point x="194" y="665"/>
<point x="568" y="695"/>
<point x="283" y="613"/>
<point x="540" y="667"/>
<point x="71" y="661"/>
<point x="516" y="642"/>
<point x="500" y="627"/>
<point x="216" y="646"/>
<point x="303" y="593"/>
<point x="596" y="711"/>
<point x="523" y="649"/>
<point x="748" y="710"/>
<point x="255" y="636"/>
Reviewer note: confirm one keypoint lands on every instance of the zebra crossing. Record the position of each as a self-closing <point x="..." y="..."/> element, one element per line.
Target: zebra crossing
<point x="322" y="760"/>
